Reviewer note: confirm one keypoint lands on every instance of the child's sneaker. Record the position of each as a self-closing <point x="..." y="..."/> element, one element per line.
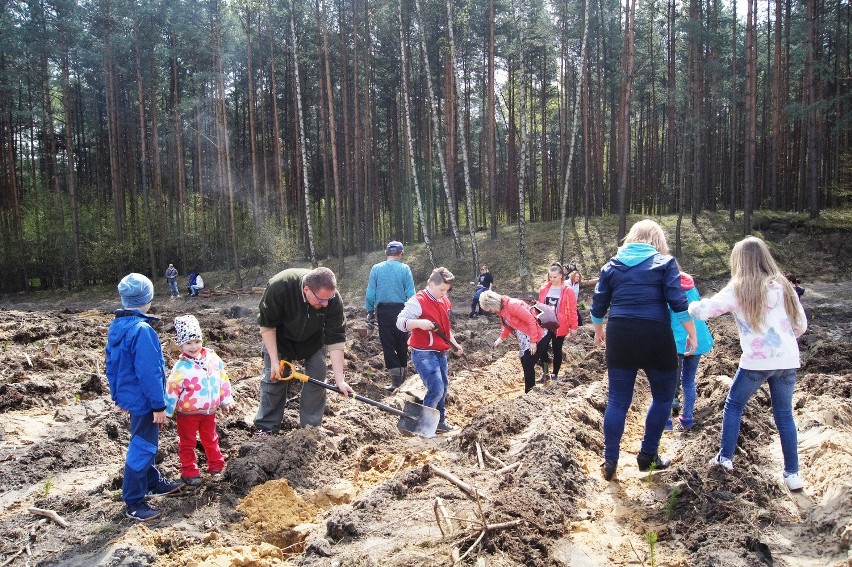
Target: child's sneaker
<point x="720" y="461"/>
<point x="191" y="481"/>
<point x="166" y="487"/>
<point x="142" y="512"/>
<point x="793" y="481"/>
<point x="684" y="424"/>
<point x="669" y="425"/>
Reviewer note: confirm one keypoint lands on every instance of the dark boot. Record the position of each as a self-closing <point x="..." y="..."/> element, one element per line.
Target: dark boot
<point x="397" y="376"/>
<point x="646" y="460"/>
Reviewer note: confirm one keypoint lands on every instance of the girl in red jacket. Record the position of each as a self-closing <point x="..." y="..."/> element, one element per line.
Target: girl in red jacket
<point x="563" y="300"/>
<point x="517" y="318"/>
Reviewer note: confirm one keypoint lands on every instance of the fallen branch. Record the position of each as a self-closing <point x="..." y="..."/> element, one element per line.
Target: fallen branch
<point x="12" y="557"/>
<point x="49" y="514"/>
<point x="509" y="468"/>
<point x="468" y="489"/>
<point x="442" y="515"/>
<point x="479" y="455"/>
<point x="492" y="458"/>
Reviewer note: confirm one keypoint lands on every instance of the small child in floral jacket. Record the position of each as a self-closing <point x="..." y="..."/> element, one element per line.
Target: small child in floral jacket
<point x="196" y="387"/>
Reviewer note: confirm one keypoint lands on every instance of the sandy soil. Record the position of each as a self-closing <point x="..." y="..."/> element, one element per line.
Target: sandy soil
<point x="371" y="496"/>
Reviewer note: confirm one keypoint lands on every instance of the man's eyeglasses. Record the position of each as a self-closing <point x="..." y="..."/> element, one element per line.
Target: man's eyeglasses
<point x="322" y="299"/>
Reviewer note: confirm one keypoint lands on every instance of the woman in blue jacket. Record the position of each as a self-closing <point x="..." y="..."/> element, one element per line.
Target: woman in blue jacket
<point x="636" y="287"/>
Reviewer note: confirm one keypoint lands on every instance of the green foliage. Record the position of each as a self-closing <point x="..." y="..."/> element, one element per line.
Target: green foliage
<point x="671" y="502"/>
<point x="45" y="488"/>
<point x="651" y="540"/>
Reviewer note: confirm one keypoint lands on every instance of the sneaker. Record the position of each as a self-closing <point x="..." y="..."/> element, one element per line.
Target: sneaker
<point x="545" y="378"/>
<point x="215" y="476"/>
<point x="191" y="481"/>
<point x="443" y="427"/>
<point x="720" y="461"/>
<point x="142" y="512"/>
<point x="684" y="424"/>
<point x="669" y="425"/>
<point x="793" y="481"/>
<point x="608" y="469"/>
<point x="262" y="433"/>
<point x="646" y="460"/>
<point x="166" y="487"/>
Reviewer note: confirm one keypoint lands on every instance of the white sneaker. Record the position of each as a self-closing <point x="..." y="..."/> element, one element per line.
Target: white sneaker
<point x="793" y="482"/>
<point x="720" y="461"/>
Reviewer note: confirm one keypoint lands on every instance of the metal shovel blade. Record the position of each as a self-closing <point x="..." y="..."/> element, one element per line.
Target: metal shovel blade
<point x="413" y="418"/>
<point x="419" y="420"/>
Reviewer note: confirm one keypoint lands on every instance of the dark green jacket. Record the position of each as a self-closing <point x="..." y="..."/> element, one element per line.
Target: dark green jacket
<point x="301" y="330"/>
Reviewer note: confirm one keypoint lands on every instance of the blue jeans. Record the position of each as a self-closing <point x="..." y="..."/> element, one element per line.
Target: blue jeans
<point x="173" y="289"/>
<point x="431" y="365"/>
<point x="194" y="289"/>
<point x="781" y="386"/>
<point x="621" y="384"/>
<point x="688" y="366"/>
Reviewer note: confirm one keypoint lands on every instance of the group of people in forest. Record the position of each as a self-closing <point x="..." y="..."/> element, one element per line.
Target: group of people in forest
<point x="646" y="313"/>
<point x="194" y="282"/>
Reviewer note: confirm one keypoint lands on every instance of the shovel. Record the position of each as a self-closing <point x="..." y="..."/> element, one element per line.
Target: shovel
<point x="415" y="419"/>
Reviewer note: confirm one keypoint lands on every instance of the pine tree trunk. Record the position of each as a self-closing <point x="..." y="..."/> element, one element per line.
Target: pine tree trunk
<point x="409" y="146"/>
<point x="471" y="221"/>
<point x="312" y="255"/>
<point x="332" y="128"/>
<point x="433" y="106"/>
<point x="576" y="111"/>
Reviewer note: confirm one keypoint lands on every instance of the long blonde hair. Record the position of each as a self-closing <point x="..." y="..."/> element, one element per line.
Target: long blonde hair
<point x="752" y="268"/>
<point x="648" y="232"/>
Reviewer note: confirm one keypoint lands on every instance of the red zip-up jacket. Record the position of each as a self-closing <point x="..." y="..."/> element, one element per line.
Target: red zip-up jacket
<point x="566" y="309"/>
<point x="516" y="314"/>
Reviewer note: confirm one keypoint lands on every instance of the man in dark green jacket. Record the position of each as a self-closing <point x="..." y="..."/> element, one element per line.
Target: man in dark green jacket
<point x="301" y="319"/>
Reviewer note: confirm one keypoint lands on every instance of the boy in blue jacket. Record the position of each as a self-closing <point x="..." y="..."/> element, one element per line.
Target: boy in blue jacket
<point x="136" y="372"/>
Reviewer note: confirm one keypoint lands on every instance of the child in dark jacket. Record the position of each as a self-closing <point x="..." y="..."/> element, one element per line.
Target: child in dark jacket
<point x="136" y="372"/>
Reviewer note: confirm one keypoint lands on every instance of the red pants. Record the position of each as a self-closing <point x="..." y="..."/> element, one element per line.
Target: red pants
<point x="205" y="427"/>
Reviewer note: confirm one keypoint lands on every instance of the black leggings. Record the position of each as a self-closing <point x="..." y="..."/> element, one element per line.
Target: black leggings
<point x="529" y="360"/>
<point x="557" y="343"/>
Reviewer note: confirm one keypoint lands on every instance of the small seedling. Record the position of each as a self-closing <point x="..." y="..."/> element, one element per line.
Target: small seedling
<point x="48" y="484"/>
<point x="671" y="503"/>
<point x="651" y="538"/>
<point x="651" y="469"/>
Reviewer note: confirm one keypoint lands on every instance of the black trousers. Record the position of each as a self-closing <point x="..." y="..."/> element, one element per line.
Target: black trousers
<point x="394" y="342"/>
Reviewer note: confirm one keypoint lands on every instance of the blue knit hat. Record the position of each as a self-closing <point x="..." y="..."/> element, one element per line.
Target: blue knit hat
<point x="135" y="290"/>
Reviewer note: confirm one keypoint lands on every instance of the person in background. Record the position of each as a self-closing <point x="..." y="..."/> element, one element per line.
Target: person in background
<point x="136" y="372"/>
<point x="196" y="388"/>
<point x="636" y="287"/>
<point x="171" y="279"/>
<point x="518" y="319"/>
<point x="561" y="297"/>
<point x="389" y="286"/>
<point x="301" y="320"/>
<point x="196" y="284"/>
<point x="687" y="366"/>
<point x="427" y="316"/>
<point x="797" y="284"/>
<point x="769" y="319"/>
<point x="485" y="281"/>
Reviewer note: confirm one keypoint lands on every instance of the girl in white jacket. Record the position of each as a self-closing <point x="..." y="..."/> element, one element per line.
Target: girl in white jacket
<point x="769" y="318"/>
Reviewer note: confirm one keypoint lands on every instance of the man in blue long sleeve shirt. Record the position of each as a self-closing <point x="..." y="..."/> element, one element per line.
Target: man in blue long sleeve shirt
<point x="389" y="287"/>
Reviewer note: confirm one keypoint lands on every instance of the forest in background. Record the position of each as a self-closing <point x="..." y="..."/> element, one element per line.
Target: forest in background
<point x="212" y="134"/>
